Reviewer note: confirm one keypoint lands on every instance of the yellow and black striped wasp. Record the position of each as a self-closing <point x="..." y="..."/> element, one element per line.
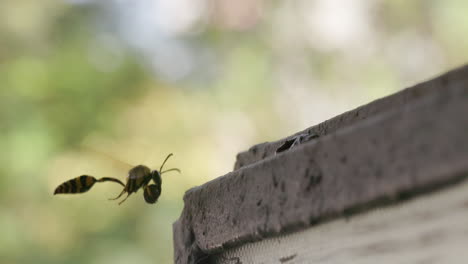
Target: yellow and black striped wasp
<point x="138" y="177"/>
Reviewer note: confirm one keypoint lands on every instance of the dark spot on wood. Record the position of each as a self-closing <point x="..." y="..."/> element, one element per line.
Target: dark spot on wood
<point x="259" y="202"/>
<point x="344" y="159"/>
<point x="286" y="145"/>
<point x="254" y="150"/>
<point x="191" y="237"/>
<point x="313" y="175"/>
<point x="288" y="258"/>
<point x="275" y="182"/>
<point x="314" y="181"/>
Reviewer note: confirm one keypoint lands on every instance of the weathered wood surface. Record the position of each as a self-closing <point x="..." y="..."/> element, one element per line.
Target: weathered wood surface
<point x="406" y="151"/>
<point x="428" y="229"/>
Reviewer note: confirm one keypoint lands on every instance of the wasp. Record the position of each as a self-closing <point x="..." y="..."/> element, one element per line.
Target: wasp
<point x="138" y="177"/>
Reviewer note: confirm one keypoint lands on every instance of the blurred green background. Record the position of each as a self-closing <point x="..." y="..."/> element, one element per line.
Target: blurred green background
<point x="203" y="79"/>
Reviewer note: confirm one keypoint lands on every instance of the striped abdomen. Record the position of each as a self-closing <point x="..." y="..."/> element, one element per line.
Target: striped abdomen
<point x="77" y="185"/>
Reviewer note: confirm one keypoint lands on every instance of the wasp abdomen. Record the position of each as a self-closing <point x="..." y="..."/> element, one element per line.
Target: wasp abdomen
<point x="77" y="185"/>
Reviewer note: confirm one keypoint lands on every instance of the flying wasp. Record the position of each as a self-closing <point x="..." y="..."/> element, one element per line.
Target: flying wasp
<point x="138" y="177"/>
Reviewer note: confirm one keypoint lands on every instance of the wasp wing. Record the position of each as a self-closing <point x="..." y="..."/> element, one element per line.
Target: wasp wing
<point x="139" y="171"/>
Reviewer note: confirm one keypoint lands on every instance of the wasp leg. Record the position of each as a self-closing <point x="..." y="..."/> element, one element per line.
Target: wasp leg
<point x="120" y="195"/>
<point x="124" y="199"/>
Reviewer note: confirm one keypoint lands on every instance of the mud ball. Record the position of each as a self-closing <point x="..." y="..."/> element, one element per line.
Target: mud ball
<point x="152" y="193"/>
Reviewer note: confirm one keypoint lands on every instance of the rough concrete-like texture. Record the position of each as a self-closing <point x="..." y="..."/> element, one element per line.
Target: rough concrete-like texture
<point x="400" y="146"/>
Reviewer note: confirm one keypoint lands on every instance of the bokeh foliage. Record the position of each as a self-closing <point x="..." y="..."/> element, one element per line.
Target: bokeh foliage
<point x="51" y="97"/>
<point x="270" y="74"/>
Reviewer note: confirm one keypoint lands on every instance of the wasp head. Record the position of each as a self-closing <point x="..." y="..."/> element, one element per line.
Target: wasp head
<point x="156" y="176"/>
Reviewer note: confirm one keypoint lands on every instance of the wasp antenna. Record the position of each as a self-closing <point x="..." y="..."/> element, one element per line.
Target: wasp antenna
<point x="174" y="169"/>
<point x="164" y="162"/>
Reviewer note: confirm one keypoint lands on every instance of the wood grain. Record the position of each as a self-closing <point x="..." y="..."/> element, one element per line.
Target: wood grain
<point x="429" y="229"/>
